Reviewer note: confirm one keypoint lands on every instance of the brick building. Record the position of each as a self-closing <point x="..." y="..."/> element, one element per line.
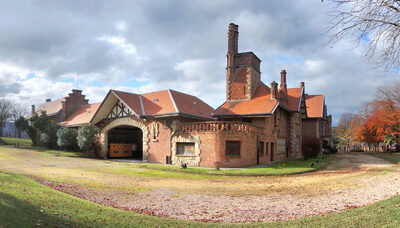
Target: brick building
<point x="256" y="124"/>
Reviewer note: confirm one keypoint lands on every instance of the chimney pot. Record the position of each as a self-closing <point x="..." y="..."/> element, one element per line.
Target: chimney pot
<point x="301" y="84"/>
<point x="48" y="100"/>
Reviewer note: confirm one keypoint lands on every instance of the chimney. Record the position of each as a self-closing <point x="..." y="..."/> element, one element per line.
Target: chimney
<point x="283" y="86"/>
<point x="33" y="110"/>
<point x="274" y="88"/>
<point x="48" y="100"/>
<point x="233" y="35"/>
<point x="63" y="110"/>
<point x="302" y="85"/>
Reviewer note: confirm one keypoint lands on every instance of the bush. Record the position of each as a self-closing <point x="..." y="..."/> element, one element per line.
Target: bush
<point x="66" y="138"/>
<point x="88" y="139"/>
<point x="311" y="147"/>
<point x="2" y="142"/>
<point x="48" y="137"/>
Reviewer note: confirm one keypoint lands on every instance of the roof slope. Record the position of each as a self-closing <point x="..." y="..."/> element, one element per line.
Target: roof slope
<point x="131" y="99"/>
<point x="260" y="104"/>
<point x="314" y="105"/>
<point x="191" y="105"/>
<point x="294" y="95"/>
<point x="82" y="115"/>
<point x="52" y="107"/>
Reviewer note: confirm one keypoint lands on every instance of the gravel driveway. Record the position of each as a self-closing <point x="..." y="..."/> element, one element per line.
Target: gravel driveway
<point x="368" y="180"/>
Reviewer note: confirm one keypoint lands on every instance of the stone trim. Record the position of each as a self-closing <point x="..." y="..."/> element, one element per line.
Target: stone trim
<point x="126" y="121"/>
<point x="190" y="160"/>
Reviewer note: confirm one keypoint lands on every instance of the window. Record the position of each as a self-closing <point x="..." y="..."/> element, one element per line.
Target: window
<point x="272" y="152"/>
<point x="266" y="148"/>
<point x="281" y="146"/>
<point x="261" y="149"/>
<point x="232" y="148"/>
<point x="185" y="149"/>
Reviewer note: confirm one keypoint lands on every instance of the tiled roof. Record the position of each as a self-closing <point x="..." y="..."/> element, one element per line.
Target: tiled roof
<point x="260" y="104"/>
<point x="314" y="105"/>
<point x="51" y="108"/>
<point x="191" y="105"/>
<point x="165" y="102"/>
<point x="294" y="95"/>
<point x="131" y="99"/>
<point x="82" y="115"/>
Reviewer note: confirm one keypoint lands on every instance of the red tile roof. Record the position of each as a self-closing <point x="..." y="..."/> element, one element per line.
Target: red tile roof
<point x="191" y="105"/>
<point x="165" y="102"/>
<point x="51" y="108"/>
<point x="314" y="105"/>
<point x="260" y="104"/>
<point x="131" y="99"/>
<point x="294" y="95"/>
<point x="82" y="115"/>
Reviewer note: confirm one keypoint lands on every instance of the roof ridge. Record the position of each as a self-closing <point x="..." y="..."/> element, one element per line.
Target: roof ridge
<point x="173" y="101"/>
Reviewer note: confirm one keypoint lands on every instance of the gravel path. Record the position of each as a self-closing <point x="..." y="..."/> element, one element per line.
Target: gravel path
<point x="372" y="187"/>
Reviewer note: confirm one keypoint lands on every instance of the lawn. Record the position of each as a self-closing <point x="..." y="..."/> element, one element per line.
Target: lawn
<point x="293" y="166"/>
<point x="26" y="203"/>
<point x="394" y="158"/>
<point x="17" y="141"/>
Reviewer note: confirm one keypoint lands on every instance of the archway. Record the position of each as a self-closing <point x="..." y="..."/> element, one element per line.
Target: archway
<point x="125" y="142"/>
<point x="121" y="122"/>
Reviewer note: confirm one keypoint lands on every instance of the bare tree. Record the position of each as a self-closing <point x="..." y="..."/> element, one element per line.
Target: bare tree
<point x="5" y="114"/>
<point x="376" y="22"/>
<point x="17" y="111"/>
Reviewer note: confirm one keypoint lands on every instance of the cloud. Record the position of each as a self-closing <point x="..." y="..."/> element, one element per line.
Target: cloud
<point x="173" y="44"/>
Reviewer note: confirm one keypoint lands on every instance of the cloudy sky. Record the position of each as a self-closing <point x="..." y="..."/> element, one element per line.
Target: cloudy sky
<point x="144" y="46"/>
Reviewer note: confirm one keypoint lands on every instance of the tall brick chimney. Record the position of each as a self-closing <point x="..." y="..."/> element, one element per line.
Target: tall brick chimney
<point x="233" y="37"/>
<point x="33" y="109"/>
<point x="48" y="100"/>
<point x="283" y="86"/>
<point x="302" y="85"/>
<point x="274" y="90"/>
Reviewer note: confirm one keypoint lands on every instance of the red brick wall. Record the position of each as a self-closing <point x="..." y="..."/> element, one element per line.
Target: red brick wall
<point x="309" y="126"/>
<point x="158" y="147"/>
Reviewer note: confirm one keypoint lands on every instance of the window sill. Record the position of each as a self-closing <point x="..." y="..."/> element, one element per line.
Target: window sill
<point x="232" y="156"/>
<point x="185" y="155"/>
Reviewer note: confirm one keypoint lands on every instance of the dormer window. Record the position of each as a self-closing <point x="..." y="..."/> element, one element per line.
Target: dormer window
<point x="195" y="103"/>
<point x="155" y="100"/>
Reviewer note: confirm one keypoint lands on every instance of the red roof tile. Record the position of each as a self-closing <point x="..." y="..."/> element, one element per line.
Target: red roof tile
<point x="294" y="95"/>
<point x="191" y="105"/>
<point x="82" y="115"/>
<point x="260" y="104"/>
<point x="314" y="105"/>
<point x="131" y="99"/>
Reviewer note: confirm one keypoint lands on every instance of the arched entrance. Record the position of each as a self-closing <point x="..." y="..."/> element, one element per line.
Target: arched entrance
<point x="125" y="142"/>
<point x="123" y="122"/>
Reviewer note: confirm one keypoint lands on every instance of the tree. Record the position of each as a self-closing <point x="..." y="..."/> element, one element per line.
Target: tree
<point x="88" y="139"/>
<point x="389" y="140"/>
<point x="66" y="137"/>
<point x="5" y="114"/>
<point x="16" y="113"/>
<point x="373" y="21"/>
<point x="43" y="130"/>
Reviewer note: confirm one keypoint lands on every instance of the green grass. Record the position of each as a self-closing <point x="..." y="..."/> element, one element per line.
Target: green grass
<point x="16" y="141"/>
<point x="394" y="158"/>
<point x="293" y="166"/>
<point x="26" y="203"/>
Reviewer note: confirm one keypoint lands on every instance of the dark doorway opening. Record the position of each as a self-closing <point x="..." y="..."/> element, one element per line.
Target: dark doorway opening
<point x="125" y="142"/>
<point x="272" y="152"/>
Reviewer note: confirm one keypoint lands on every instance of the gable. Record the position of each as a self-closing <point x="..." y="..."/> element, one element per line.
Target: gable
<point x="119" y="110"/>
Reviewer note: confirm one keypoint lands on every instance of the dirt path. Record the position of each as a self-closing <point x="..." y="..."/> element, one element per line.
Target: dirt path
<point x="352" y="180"/>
